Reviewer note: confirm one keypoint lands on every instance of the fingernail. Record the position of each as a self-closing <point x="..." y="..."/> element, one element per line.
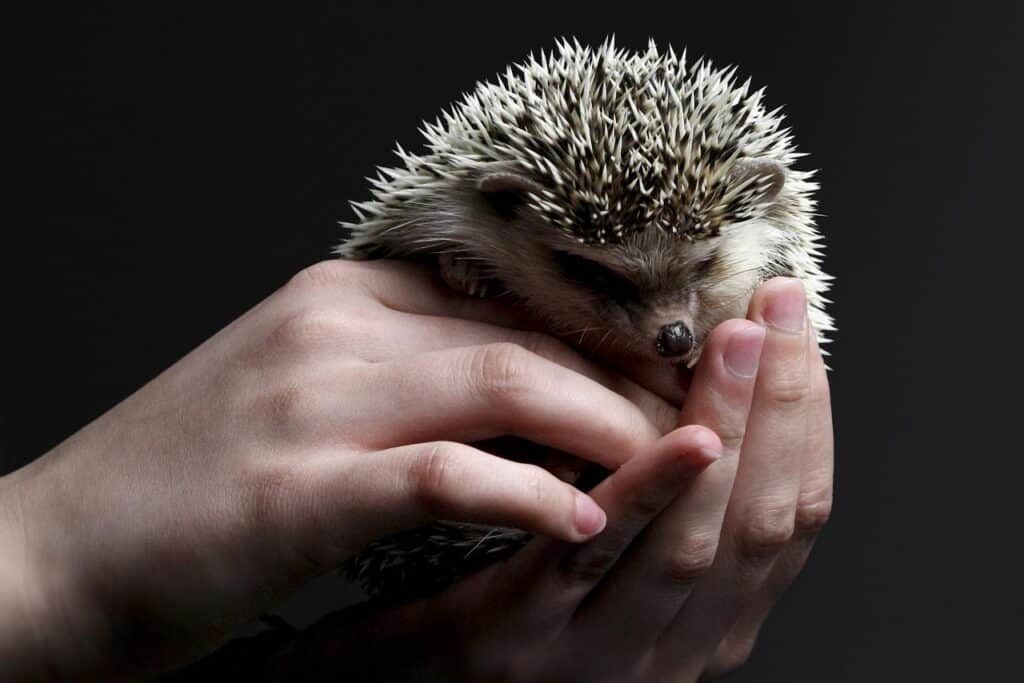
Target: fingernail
<point x="590" y="518"/>
<point x="786" y="310"/>
<point x="743" y="351"/>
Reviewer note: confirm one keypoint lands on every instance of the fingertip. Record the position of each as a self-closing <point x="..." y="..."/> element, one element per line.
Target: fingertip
<point x="780" y="303"/>
<point x="589" y="518"/>
<point x="782" y="283"/>
<point x="693" y="447"/>
<point x="724" y="331"/>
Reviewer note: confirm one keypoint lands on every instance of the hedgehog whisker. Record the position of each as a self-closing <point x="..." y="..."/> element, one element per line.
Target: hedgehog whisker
<point x="603" y="339"/>
<point x="490" y="533"/>
<point x="583" y="333"/>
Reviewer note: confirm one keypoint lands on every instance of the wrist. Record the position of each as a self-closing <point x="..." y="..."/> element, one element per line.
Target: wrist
<point x="22" y="596"/>
<point x="38" y="585"/>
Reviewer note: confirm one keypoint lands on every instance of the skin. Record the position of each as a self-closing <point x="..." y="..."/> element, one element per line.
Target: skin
<point x="336" y="411"/>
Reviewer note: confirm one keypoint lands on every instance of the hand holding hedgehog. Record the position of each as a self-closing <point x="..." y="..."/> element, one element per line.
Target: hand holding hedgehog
<point x="281" y="447"/>
<point x="200" y="500"/>
<point x="697" y="548"/>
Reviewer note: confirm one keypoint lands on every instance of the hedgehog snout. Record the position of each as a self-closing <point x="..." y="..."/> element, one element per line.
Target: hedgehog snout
<point x="673" y="340"/>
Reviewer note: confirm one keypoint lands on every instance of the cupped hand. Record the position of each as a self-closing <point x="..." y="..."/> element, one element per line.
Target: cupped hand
<point x="705" y="529"/>
<point x="333" y="413"/>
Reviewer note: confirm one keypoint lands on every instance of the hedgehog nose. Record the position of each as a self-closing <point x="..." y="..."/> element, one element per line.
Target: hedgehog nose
<point x="674" y="339"/>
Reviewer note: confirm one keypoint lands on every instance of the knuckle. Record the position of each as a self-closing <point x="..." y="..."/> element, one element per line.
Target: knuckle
<point x="766" y="530"/>
<point x="787" y="391"/>
<point x="813" y="512"/>
<point x="308" y="326"/>
<point x="692" y="559"/>
<point x="328" y="272"/>
<point x="501" y="369"/>
<point x="731" y="437"/>
<point x="733" y="654"/>
<point x="432" y="475"/>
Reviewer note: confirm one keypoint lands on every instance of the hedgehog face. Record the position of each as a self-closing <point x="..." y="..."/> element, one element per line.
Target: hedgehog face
<point x="655" y="296"/>
<point x="654" y="292"/>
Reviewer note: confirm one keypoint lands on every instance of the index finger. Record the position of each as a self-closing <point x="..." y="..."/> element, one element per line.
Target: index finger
<point x="418" y="289"/>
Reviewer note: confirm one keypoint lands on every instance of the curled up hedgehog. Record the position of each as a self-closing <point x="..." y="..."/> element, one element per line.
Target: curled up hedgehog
<point x="635" y="195"/>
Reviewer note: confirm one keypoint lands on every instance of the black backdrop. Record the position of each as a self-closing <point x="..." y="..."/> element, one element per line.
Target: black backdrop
<point x="189" y="163"/>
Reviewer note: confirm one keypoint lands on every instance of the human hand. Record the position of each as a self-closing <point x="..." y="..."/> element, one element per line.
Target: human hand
<point x="324" y="418"/>
<point x="696" y="551"/>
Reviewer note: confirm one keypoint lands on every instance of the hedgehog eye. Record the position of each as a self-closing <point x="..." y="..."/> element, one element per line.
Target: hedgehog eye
<point x="702" y="267"/>
<point x="594" y="276"/>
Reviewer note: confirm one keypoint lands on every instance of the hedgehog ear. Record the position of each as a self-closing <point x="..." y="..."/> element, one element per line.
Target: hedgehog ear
<point x="506" y="182"/>
<point x="505" y="191"/>
<point x="765" y="173"/>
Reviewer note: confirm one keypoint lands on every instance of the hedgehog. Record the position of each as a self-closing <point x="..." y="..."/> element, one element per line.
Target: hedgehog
<point x="635" y="196"/>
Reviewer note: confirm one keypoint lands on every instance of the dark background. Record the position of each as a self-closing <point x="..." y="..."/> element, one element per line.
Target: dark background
<point x="189" y="163"/>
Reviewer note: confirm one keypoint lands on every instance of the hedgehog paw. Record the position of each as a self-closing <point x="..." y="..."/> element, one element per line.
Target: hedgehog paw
<point x="462" y="277"/>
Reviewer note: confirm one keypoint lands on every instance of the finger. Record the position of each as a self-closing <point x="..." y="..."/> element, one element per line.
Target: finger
<point x="814" y="507"/>
<point x="420" y="334"/>
<point x="419" y="290"/>
<point x="737" y="645"/>
<point x="415" y="314"/>
<point x="478" y="393"/>
<point x="649" y="586"/>
<point x="768" y="482"/>
<point x="723" y="385"/>
<point x="760" y="516"/>
<point x="560" y="577"/>
<point x="400" y="488"/>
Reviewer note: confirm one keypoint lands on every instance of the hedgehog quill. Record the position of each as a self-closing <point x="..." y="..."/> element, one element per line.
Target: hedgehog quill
<point x="631" y="195"/>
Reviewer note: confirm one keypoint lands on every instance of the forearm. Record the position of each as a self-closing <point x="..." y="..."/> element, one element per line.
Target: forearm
<point x="47" y="630"/>
<point x="22" y="596"/>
